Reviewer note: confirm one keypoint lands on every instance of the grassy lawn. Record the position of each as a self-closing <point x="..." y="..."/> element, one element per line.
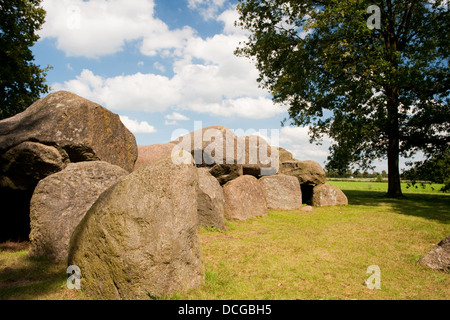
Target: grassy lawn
<point x="322" y="254"/>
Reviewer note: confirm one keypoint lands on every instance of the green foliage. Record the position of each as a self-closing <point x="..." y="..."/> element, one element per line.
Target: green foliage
<point x="377" y="93"/>
<point x="436" y="169"/>
<point x="21" y="81"/>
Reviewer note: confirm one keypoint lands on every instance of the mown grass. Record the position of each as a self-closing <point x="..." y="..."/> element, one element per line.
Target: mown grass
<point x="322" y="254"/>
<point x="371" y="185"/>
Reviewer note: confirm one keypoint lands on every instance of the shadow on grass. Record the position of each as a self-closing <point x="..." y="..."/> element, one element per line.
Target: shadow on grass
<point x="31" y="278"/>
<point x="429" y="206"/>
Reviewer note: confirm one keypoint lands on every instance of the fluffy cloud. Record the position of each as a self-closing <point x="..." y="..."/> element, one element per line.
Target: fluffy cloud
<point x="96" y="28"/>
<point x="296" y="140"/>
<point x="136" y="126"/>
<point x="174" y="117"/>
<point x="138" y="92"/>
<point x="207" y="77"/>
<point x="207" y="8"/>
<point x="228" y="18"/>
<point x="177" y="117"/>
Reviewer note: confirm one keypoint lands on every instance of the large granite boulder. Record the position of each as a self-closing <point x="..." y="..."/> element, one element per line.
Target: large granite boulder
<point x="284" y="155"/>
<point x="151" y="153"/>
<point x="213" y="147"/>
<point x="308" y="172"/>
<point x="210" y="145"/>
<point x="439" y="257"/>
<point x="61" y="200"/>
<point x="77" y="129"/>
<point x="227" y="155"/>
<point x="328" y="195"/>
<point x="211" y="202"/>
<point x="244" y="198"/>
<point x="226" y="172"/>
<point x="54" y="131"/>
<point x="282" y="192"/>
<point x="139" y="239"/>
<point x="257" y="157"/>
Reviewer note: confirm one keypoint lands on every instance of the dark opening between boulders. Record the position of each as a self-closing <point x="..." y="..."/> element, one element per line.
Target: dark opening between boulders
<point x="307" y="192"/>
<point x="15" y="214"/>
<point x="80" y="153"/>
<point x="256" y="172"/>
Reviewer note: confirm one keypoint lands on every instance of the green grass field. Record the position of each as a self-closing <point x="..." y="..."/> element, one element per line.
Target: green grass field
<point x="322" y="254"/>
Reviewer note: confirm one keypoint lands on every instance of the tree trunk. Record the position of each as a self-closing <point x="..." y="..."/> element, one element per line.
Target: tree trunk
<point x="394" y="187"/>
<point x="393" y="131"/>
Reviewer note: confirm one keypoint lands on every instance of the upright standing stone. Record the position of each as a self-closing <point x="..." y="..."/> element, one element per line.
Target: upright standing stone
<point x="139" y="239"/>
<point x="244" y="198"/>
<point x="282" y="192"/>
<point x="211" y="202"/>
<point x="328" y="195"/>
<point x="62" y="199"/>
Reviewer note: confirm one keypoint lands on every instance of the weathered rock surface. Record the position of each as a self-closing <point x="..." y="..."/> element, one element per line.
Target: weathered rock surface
<point x="30" y="162"/>
<point x="229" y="156"/>
<point x="54" y="131"/>
<point x="439" y="257"/>
<point x="79" y="129"/>
<point x="308" y="172"/>
<point x="151" y="153"/>
<point x="213" y="147"/>
<point x="328" y="195"/>
<point x="284" y="155"/>
<point x="244" y="198"/>
<point x="211" y="202"/>
<point x="139" y="239"/>
<point x="307" y="209"/>
<point x="226" y="172"/>
<point x="282" y="192"/>
<point x="210" y="145"/>
<point x="257" y="157"/>
<point x="62" y="199"/>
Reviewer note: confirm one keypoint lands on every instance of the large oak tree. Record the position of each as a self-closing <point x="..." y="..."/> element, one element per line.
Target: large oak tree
<point x="375" y="81"/>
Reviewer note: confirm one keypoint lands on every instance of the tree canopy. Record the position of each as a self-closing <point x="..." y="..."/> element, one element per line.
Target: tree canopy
<point x="376" y="84"/>
<point x="21" y="81"/>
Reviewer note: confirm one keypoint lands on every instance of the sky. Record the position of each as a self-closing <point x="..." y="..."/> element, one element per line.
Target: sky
<point x="166" y="67"/>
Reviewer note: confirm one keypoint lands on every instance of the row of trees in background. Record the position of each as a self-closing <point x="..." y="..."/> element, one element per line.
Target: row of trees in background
<point x="434" y="170"/>
<point x="357" y="174"/>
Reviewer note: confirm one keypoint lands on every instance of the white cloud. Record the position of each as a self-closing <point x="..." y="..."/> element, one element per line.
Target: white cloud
<point x="159" y="66"/>
<point x="247" y="107"/>
<point x="207" y="76"/>
<point x="177" y="116"/>
<point x="96" y="28"/>
<point x="137" y="127"/>
<point x="171" y="123"/>
<point x="138" y="92"/>
<point x="296" y="141"/>
<point x="228" y="18"/>
<point x="161" y="39"/>
<point x="208" y="9"/>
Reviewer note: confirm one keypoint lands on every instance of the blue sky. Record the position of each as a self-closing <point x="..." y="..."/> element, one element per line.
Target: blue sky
<point x="163" y="65"/>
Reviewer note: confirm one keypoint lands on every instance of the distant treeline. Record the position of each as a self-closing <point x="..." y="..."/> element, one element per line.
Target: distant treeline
<point x="357" y="174"/>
